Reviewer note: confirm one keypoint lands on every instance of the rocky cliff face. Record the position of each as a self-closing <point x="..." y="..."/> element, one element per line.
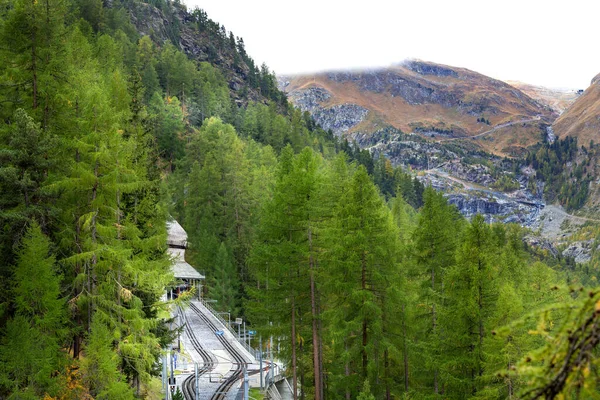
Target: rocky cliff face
<point x="494" y="209"/>
<point x="581" y="251"/>
<point x="340" y="118"/>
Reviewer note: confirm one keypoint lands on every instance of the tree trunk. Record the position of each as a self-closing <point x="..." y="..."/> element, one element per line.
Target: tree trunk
<point x="480" y="304"/>
<point x="321" y="369"/>
<point x="94" y="260"/>
<point x="34" y="60"/>
<point x="294" y="374"/>
<point x="76" y="346"/>
<point x="434" y="331"/>
<point x="405" y="355"/>
<point x="364" y="323"/>
<point x="386" y="364"/>
<point x="315" y="333"/>
<point x="347" y="373"/>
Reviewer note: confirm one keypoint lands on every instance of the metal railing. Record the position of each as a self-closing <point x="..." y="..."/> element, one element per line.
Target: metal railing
<point x="273" y="393"/>
<point x="248" y="348"/>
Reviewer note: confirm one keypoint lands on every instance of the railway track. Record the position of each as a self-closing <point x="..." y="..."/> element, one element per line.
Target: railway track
<point x="208" y="361"/>
<point x="237" y="371"/>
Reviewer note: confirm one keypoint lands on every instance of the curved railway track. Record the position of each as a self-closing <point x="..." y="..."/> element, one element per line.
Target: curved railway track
<point x="238" y="363"/>
<point x="208" y="361"/>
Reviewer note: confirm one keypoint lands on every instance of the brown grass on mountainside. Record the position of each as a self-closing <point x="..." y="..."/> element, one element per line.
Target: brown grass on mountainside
<point x="468" y="91"/>
<point x="582" y="119"/>
<point x="396" y="111"/>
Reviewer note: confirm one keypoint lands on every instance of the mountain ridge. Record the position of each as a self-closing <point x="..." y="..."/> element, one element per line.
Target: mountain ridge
<point x="419" y="97"/>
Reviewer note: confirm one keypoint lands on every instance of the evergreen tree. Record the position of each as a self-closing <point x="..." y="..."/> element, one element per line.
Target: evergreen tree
<point x="362" y="264"/>
<point x="470" y="300"/>
<point x="30" y="354"/>
<point x="434" y="244"/>
<point x="225" y="285"/>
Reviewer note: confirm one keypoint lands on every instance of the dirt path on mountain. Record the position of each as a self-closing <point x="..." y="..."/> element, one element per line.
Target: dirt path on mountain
<point x="494" y="129"/>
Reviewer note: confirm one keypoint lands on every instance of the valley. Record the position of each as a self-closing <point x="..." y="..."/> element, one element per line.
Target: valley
<point x="465" y="134"/>
<point x="416" y="231"/>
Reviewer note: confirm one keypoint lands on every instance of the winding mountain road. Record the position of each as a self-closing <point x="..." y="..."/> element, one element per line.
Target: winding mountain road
<point x="495" y="128"/>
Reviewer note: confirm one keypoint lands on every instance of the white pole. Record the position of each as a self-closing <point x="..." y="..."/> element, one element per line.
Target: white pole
<point x="164" y="377"/>
<point x="197" y="388"/>
<point x="245" y="383"/>
<point x="272" y="363"/>
<point x="260" y="361"/>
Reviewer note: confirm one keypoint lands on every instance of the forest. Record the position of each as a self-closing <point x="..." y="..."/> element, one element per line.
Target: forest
<point x="374" y="286"/>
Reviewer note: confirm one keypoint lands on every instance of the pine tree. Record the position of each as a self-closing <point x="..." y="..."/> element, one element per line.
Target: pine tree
<point x="363" y="258"/>
<point x="225" y="285"/>
<point x="30" y="354"/>
<point x="26" y="157"/>
<point x="101" y="365"/>
<point x="434" y="244"/>
<point x="471" y="295"/>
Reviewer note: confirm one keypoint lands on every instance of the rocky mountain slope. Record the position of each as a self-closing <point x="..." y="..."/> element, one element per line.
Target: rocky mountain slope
<point x="451" y="126"/>
<point x="205" y="40"/>
<point x="425" y="98"/>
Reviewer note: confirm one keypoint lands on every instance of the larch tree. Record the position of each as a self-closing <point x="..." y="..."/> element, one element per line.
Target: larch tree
<point x="361" y="266"/>
<point x="30" y="351"/>
<point x="435" y="241"/>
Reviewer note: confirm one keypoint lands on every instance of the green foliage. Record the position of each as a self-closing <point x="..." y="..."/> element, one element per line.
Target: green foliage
<point x="100" y="366"/>
<point x="564" y="178"/>
<point x="290" y="225"/>
<point x="31" y="345"/>
<point x="178" y="395"/>
<point x="365" y="393"/>
<point x="506" y="183"/>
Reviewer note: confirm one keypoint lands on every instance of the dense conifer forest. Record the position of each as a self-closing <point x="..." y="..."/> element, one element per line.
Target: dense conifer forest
<point x="374" y="286"/>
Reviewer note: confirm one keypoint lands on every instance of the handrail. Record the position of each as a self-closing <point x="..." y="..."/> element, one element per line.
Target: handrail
<point x="248" y="348"/>
<point x="274" y="393"/>
<point x="288" y="385"/>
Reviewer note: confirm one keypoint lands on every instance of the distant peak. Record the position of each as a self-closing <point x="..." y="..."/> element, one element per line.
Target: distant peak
<point x="427" y="68"/>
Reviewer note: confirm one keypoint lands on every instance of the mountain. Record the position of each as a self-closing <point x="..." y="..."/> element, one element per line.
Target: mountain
<point x="205" y="40"/>
<point x="582" y="119"/>
<point x="557" y="99"/>
<point x="425" y="98"/>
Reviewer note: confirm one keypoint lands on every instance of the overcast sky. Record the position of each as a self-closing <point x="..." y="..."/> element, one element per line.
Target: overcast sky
<point x="550" y="43"/>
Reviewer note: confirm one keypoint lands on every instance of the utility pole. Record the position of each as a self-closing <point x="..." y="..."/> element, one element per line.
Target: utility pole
<point x="164" y="376"/>
<point x="197" y="388"/>
<point x="260" y="364"/>
<point x="246" y="382"/>
<point x="272" y="362"/>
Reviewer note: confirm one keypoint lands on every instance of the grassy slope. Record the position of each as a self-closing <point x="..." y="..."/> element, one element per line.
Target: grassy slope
<point x="582" y="119"/>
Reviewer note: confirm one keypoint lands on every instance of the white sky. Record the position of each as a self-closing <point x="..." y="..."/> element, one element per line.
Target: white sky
<point x="550" y="43"/>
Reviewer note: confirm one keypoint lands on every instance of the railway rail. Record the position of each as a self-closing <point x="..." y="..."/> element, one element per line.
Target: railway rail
<point x="238" y="364"/>
<point x="208" y="361"/>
